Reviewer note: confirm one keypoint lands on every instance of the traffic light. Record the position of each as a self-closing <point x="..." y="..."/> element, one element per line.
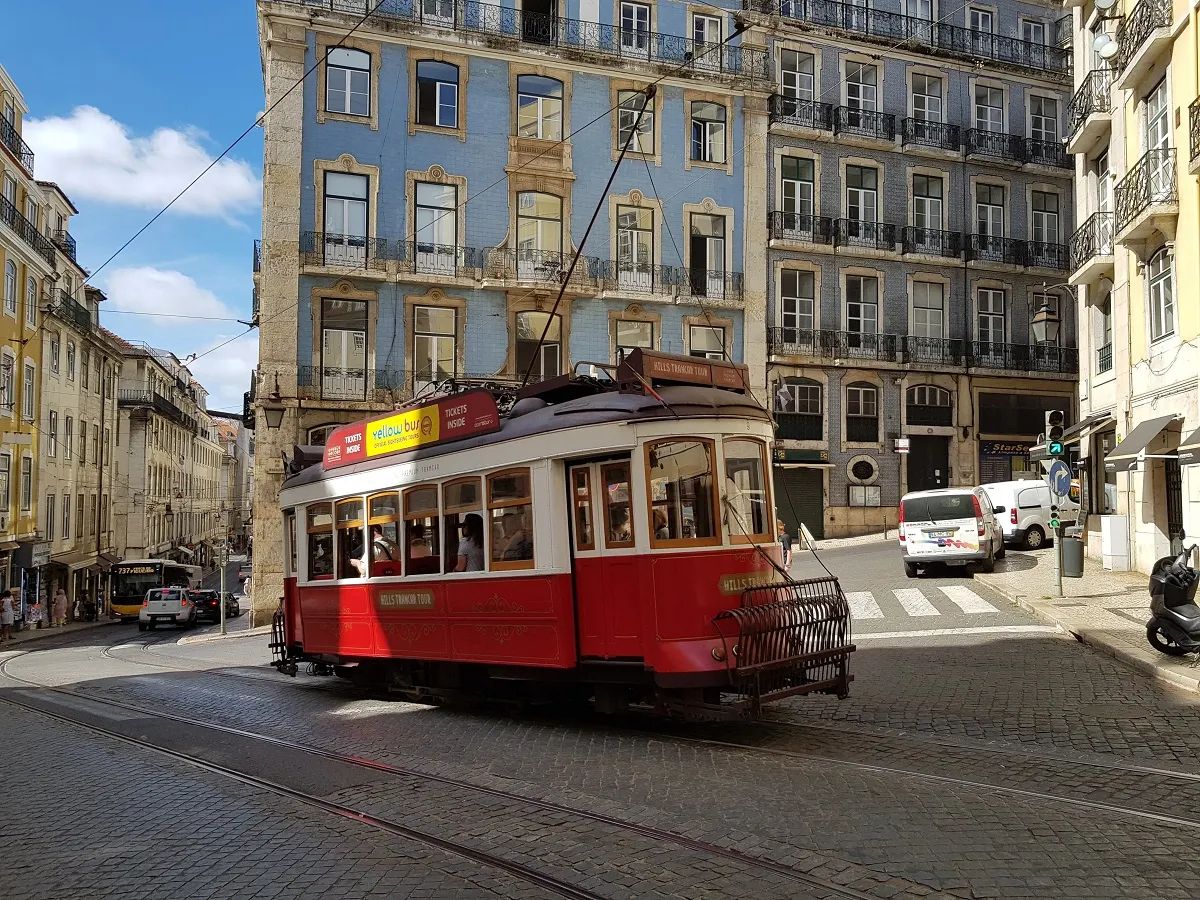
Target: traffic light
<point x="1055" y="420"/>
<point x="1054" y="520"/>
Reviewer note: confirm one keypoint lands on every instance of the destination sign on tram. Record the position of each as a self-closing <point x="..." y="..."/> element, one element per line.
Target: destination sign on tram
<point x="452" y="418"/>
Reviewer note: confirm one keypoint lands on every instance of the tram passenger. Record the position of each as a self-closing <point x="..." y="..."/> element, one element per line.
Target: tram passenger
<point x="470" y="548"/>
<point x="618" y="526"/>
<point x="418" y="544"/>
<point x="518" y="542"/>
<point x="661" y="530"/>
<point x="381" y="550"/>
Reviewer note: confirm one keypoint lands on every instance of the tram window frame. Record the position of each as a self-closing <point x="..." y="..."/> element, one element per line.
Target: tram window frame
<point x="609" y="543"/>
<point x="583" y="503"/>
<point x="383" y="520"/>
<point x="453" y="517"/>
<point x="716" y="539"/>
<point x="311" y="529"/>
<point x="347" y="554"/>
<point x="735" y="530"/>
<point x="289" y="537"/>
<point x="494" y="506"/>
<point x="412" y="515"/>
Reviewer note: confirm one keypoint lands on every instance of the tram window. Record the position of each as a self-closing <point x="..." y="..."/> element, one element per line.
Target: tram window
<point x="581" y="501"/>
<point x="421" y="555"/>
<point x="289" y="535"/>
<point x="747" y="516"/>
<point x="350" y="549"/>
<point x="681" y="486"/>
<point x="510" y="513"/>
<point x="462" y="511"/>
<point x="383" y="518"/>
<point x="320" y="541"/>
<point x="618" y="521"/>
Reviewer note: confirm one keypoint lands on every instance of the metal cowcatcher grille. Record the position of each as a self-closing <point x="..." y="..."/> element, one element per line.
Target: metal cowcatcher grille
<point x="788" y="638"/>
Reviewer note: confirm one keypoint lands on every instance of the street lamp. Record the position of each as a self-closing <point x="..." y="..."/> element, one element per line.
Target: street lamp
<point x="273" y="407"/>
<point x="1045" y="324"/>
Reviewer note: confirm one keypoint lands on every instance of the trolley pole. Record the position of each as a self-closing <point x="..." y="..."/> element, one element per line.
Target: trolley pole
<point x="223" y="562"/>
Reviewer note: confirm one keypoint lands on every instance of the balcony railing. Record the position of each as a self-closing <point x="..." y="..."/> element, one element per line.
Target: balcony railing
<point x="799" y="426"/>
<point x="1051" y="154"/>
<point x="934" y="351"/>
<point x="994" y="144"/>
<point x="790" y="226"/>
<point x="931" y="242"/>
<point x="1064" y="32"/>
<point x="893" y="28"/>
<point x="1137" y="26"/>
<point x="928" y="415"/>
<point x="795" y="341"/>
<point x="864" y="235"/>
<point x="804" y="113"/>
<point x="1104" y="359"/>
<point x="345" y="383"/>
<point x="987" y="248"/>
<point x="832" y="344"/>
<point x="628" y="277"/>
<point x="258" y="256"/>
<point x="26" y="230"/>
<point x="862" y="429"/>
<point x="1094" y="96"/>
<point x="74" y="311"/>
<point x="922" y="133"/>
<point x="715" y="284"/>
<point x="1151" y="180"/>
<point x="65" y="242"/>
<point x="1046" y="255"/>
<point x="864" y="123"/>
<point x="1025" y="357"/>
<point x="571" y="36"/>
<point x="344" y="251"/>
<point x="447" y="261"/>
<point x="1093" y="238"/>
<point x="1194" y="130"/>
<point x="13" y="141"/>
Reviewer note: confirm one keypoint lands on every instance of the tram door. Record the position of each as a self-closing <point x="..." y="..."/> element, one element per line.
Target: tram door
<point x="607" y="588"/>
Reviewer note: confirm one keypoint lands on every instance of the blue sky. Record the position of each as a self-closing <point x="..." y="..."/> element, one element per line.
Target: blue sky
<point x="127" y="103"/>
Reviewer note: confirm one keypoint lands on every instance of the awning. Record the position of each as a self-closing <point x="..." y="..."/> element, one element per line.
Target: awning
<point x="1081" y="431"/>
<point x="1125" y="455"/>
<point x="186" y="551"/>
<point x="1189" y="450"/>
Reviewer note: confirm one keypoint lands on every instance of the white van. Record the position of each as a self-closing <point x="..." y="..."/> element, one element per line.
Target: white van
<point x="952" y="526"/>
<point x="1025" y="511"/>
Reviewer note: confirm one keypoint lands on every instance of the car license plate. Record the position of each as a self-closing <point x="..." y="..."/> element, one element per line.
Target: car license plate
<point x="940" y="533"/>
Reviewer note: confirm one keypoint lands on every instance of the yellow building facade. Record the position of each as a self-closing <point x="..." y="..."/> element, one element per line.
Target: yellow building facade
<point x="1134" y="130"/>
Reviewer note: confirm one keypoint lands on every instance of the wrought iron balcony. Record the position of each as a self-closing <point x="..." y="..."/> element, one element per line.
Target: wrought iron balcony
<point x="864" y="235"/>
<point x="715" y="284"/>
<point x="795" y="342"/>
<point x="544" y="267"/>
<point x="988" y="248"/>
<point x="891" y="28"/>
<point x="1025" y="357"/>
<point x="26" y="230"/>
<point x="16" y="145"/>
<point x="1064" y="32"/>
<point x="862" y="429"/>
<point x="799" y="426"/>
<point x="571" y="37"/>
<point x="994" y="144"/>
<point x="627" y="277"/>
<point x="65" y="242"/>
<point x="1093" y="97"/>
<point x="1150" y="181"/>
<point x="1092" y="239"/>
<point x="1194" y="130"/>
<point x="931" y="242"/>
<point x="1104" y="359"/>
<point x="1136" y="27"/>
<point x="73" y="311"/>
<point x="790" y="226"/>
<point x="345" y="383"/>
<point x="923" y="133"/>
<point x="447" y="261"/>
<point x="833" y="344"/>
<point x="1046" y="255"/>
<point x="804" y="113"/>
<point x="1051" y="154"/>
<point x="258" y="256"/>
<point x="344" y="251"/>
<point x="934" y="351"/>
<point x="928" y="415"/>
<point x="864" y="123"/>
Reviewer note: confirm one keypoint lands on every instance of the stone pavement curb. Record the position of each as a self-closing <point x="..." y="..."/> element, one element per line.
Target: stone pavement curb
<point x="206" y="638"/>
<point x="878" y="537"/>
<point x="1145" y="661"/>
<point x="26" y="635"/>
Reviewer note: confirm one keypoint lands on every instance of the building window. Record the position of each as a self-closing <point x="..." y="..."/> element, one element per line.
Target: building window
<point x="706" y="41"/>
<point x="980" y="21"/>
<point x="708" y="132"/>
<point x="437" y="94"/>
<point x="926" y="98"/>
<point x="5" y="488"/>
<point x="635" y="248"/>
<point x="629" y="104"/>
<point x="82" y="442"/>
<point x="434" y="336"/>
<point x="348" y="82"/>
<point x="929" y="309"/>
<point x="10" y="288"/>
<point x="539" y="235"/>
<point x="28" y="406"/>
<point x="927" y="202"/>
<point x="862" y="194"/>
<point x="68" y="437"/>
<point x="1043" y="119"/>
<point x="96" y="442"/>
<point x="436" y="229"/>
<point x="10" y="191"/>
<point x="26" y="483"/>
<point x="539" y="107"/>
<point x="52" y="434"/>
<point x="541" y="358"/>
<point x="319" y="435"/>
<point x="1045" y="217"/>
<point x="343" y="349"/>
<point x="707" y="250"/>
<point x="862" y="310"/>
<point x="55" y="354"/>
<point x="992" y="329"/>
<point x="66" y="514"/>
<point x="635" y="27"/>
<point x="706" y="341"/>
<point x="85" y="368"/>
<point x="862" y="415"/>
<point x="345" y="219"/>
<point x="631" y="336"/>
<point x="51" y="518"/>
<point x="796" y="79"/>
<point x="797" y="183"/>
<point x="79" y="516"/>
<point x="1033" y="32"/>
<point x="862" y="88"/>
<point x="104" y="516"/>
<point x="989" y="210"/>
<point x="797" y="303"/>
<point x="801" y="396"/>
<point x="8" y="387"/>
<point x="1162" y="295"/>
<point x="31" y="302"/>
<point x="989" y="108"/>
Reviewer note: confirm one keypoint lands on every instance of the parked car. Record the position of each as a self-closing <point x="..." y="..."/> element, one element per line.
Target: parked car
<point x="952" y="526"/>
<point x="1023" y="508"/>
<point x="208" y="605"/>
<point x="167" y="606"/>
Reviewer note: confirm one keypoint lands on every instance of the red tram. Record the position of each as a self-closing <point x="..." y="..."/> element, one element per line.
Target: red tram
<point x="603" y="539"/>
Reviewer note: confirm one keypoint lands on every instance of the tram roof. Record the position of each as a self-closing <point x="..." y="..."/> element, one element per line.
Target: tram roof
<point x="683" y="401"/>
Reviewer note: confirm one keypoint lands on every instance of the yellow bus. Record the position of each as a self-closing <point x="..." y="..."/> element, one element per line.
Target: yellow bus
<point x="131" y="578"/>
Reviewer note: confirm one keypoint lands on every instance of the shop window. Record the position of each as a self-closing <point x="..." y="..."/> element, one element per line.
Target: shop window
<point x="320" y="541"/>
<point x="510" y="515"/>
<point x="682" y="493"/>
<point x="618" y="515"/>
<point x="747" y="512"/>
<point x="421" y="531"/>
<point x="462" y="510"/>
<point x="581" y="499"/>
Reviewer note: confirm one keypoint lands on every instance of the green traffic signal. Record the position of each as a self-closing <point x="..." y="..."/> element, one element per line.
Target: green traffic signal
<point x="1055" y="448"/>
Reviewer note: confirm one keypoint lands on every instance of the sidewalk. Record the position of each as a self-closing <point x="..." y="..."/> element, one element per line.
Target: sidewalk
<point x="30" y="634"/>
<point x="1106" y="610"/>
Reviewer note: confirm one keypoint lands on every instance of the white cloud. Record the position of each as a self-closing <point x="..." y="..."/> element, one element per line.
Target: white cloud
<point x="92" y="155"/>
<point x="225" y="373"/>
<point x="144" y="289"/>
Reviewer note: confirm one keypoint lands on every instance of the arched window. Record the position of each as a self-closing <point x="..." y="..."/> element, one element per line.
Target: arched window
<point x="1160" y="277"/>
<point x="348" y="82"/>
<point x="539" y="107"/>
<point x="10" y="287"/>
<point x="862" y="413"/>
<point x="437" y="94"/>
<point x="928" y="404"/>
<point x="31" y="301"/>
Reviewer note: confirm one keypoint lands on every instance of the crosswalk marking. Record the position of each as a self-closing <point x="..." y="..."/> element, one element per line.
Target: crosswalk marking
<point x="914" y="602"/>
<point x="967" y="600"/>
<point x="863" y="605"/>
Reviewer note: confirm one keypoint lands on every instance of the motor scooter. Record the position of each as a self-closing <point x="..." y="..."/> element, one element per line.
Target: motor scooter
<point x="1174" y="629"/>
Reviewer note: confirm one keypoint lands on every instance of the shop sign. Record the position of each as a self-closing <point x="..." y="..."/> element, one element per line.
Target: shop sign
<point x="1005" y="448"/>
<point x="784" y="455"/>
<point x="901" y="445"/>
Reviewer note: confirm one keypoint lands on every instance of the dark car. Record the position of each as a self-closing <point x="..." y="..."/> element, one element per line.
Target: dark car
<point x="208" y="605"/>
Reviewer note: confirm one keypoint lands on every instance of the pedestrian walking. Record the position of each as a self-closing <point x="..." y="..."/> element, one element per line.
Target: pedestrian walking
<point x="785" y="544"/>
<point x="60" y="608"/>
<point x="6" y="618"/>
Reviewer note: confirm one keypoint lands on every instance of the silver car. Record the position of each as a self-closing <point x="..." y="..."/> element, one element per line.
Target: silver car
<point x="167" y="606"/>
